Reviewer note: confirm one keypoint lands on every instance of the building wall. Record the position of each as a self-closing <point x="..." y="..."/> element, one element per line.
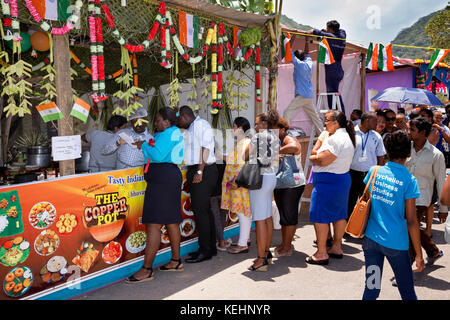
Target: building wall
<point x="377" y="82"/>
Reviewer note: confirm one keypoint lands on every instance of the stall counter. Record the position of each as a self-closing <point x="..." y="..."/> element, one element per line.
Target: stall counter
<point x="71" y="235"/>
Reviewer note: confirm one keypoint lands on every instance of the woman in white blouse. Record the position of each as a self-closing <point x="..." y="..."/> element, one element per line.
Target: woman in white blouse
<point x="331" y="182"/>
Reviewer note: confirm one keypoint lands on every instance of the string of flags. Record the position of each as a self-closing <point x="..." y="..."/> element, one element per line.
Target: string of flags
<point x="379" y="57"/>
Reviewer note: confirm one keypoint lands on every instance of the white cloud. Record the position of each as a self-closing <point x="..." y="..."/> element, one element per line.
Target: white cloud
<point x="353" y="15"/>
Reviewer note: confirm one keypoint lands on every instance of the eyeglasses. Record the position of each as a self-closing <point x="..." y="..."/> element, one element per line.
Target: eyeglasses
<point x="328" y="120"/>
<point x="390" y="119"/>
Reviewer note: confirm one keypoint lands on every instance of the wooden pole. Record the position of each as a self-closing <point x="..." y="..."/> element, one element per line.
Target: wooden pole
<point x="64" y="100"/>
<point x="275" y="33"/>
<point x="363" y="82"/>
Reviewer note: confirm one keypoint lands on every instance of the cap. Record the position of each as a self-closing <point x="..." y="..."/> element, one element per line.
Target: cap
<point x="139" y="113"/>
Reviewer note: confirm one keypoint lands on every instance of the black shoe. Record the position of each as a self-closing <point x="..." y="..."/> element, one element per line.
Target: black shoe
<point x="201" y="257"/>
<point x="310" y="260"/>
<point x="193" y="255"/>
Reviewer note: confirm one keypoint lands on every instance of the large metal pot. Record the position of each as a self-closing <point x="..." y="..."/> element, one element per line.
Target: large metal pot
<point x="38" y="156"/>
<point x="82" y="164"/>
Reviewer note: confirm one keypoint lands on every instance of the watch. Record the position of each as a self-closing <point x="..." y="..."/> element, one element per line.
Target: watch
<point x="199" y="172"/>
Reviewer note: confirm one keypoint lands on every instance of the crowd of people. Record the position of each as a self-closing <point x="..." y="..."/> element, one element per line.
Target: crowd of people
<point x="410" y="180"/>
<point x="410" y="153"/>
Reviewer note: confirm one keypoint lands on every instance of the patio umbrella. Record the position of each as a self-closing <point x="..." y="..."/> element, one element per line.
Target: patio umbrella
<point x="408" y="95"/>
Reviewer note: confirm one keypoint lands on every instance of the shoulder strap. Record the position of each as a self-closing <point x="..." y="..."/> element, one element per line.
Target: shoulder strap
<point x="371" y="180"/>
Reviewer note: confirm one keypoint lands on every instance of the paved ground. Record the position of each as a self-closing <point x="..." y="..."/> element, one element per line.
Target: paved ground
<point x="225" y="277"/>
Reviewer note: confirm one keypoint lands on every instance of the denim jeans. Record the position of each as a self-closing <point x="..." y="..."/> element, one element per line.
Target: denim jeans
<point x="400" y="262"/>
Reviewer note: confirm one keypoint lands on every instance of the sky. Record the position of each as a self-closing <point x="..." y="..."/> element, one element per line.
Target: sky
<point x="363" y="20"/>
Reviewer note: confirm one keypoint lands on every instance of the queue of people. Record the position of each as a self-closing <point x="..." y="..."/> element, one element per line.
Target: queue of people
<point x="410" y="180"/>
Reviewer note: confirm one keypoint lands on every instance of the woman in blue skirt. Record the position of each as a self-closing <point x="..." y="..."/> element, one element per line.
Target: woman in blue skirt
<point x="331" y="182"/>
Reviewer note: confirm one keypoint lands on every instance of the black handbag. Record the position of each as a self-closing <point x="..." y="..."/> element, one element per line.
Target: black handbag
<point x="250" y="176"/>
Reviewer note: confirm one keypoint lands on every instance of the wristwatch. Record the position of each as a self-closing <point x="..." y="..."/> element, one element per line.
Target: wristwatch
<point x="199" y="172"/>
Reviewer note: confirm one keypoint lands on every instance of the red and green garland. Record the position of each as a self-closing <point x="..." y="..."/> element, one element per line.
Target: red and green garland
<point x="96" y="48"/>
<point x="11" y="23"/>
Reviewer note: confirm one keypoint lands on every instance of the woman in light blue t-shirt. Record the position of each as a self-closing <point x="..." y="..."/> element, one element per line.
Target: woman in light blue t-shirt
<point x="392" y="218"/>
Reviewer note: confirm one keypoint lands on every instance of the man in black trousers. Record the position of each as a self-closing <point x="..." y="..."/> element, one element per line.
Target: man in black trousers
<point x="202" y="178"/>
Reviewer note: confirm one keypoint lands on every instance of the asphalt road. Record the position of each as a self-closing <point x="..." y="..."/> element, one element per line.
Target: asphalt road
<point x="225" y="277"/>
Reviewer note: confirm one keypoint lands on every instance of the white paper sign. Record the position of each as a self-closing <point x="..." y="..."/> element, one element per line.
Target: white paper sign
<point x="127" y="139"/>
<point x="66" y="147"/>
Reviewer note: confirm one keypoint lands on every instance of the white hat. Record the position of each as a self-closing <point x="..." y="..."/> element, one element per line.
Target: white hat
<point x="139" y="113"/>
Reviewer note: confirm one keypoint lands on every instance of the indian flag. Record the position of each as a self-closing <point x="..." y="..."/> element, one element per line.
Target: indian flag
<point x="53" y="9"/>
<point x="286" y="53"/>
<point x="188" y="29"/>
<point x="379" y="58"/>
<point x="49" y="112"/>
<point x="80" y="110"/>
<point x="437" y="57"/>
<point x="325" y="54"/>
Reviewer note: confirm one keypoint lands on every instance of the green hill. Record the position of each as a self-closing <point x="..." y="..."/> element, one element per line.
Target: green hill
<point x="414" y="36"/>
<point x="290" y="23"/>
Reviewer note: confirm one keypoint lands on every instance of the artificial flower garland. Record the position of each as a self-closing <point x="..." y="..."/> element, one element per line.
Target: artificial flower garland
<point x="159" y="20"/>
<point x="96" y="48"/>
<point x="10" y="13"/>
<point x="70" y="23"/>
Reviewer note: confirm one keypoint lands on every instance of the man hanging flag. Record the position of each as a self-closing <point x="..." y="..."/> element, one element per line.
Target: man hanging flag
<point x="437" y="57"/>
<point x="286" y="53"/>
<point x="49" y="112"/>
<point x="53" y="9"/>
<point x="188" y="28"/>
<point x="80" y="110"/>
<point x="325" y="54"/>
<point x="379" y="58"/>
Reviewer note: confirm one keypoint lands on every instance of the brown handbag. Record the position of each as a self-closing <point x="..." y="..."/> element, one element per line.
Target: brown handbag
<point x="356" y="225"/>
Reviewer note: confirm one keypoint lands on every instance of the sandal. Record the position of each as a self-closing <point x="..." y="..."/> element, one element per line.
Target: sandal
<point x="226" y="246"/>
<point x="278" y="254"/>
<point x="236" y="250"/>
<point x="234" y="244"/>
<point x="177" y="268"/>
<point x="262" y="267"/>
<point x="269" y="256"/>
<point x="132" y="279"/>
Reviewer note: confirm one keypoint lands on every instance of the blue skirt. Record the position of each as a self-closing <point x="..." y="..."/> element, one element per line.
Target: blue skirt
<point x="329" y="198"/>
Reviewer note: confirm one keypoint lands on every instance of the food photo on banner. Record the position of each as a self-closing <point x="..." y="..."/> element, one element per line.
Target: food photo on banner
<point x="64" y="237"/>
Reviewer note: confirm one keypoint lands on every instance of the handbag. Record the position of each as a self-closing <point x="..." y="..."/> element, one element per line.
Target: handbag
<point x="250" y="176"/>
<point x="288" y="175"/>
<point x="356" y="225"/>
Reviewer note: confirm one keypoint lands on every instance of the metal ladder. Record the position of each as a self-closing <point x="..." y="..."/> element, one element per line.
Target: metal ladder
<point x="336" y="103"/>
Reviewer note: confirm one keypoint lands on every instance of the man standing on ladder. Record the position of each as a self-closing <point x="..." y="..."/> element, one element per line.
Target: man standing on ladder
<point x="304" y="93"/>
<point x="333" y="72"/>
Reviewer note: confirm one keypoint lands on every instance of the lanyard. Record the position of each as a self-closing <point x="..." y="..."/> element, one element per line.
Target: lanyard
<point x="364" y="143"/>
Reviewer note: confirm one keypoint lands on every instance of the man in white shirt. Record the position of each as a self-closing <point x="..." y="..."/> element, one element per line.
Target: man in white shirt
<point x="427" y="164"/>
<point x="202" y="176"/>
<point x="369" y="151"/>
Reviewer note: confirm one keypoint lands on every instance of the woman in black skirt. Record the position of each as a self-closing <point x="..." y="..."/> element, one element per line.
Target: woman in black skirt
<point x="287" y="199"/>
<point x="162" y="202"/>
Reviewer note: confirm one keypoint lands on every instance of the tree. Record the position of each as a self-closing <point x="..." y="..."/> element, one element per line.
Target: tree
<point x="438" y="29"/>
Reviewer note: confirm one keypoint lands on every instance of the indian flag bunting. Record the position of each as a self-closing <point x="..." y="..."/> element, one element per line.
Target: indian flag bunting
<point x="379" y="58"/>
<point x="437" y="57"/>
<point x="237" y="50"/>
<point x="53" y="9"/>
<point x="188" y="29"/>
<point x="80" y="110"/>
<point x="49" y="112"/>
<point x="286" y="53"/>
<point x="325" y="54"/>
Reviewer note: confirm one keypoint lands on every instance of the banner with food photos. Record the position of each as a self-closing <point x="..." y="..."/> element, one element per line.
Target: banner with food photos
<point x="54" y="231"/>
